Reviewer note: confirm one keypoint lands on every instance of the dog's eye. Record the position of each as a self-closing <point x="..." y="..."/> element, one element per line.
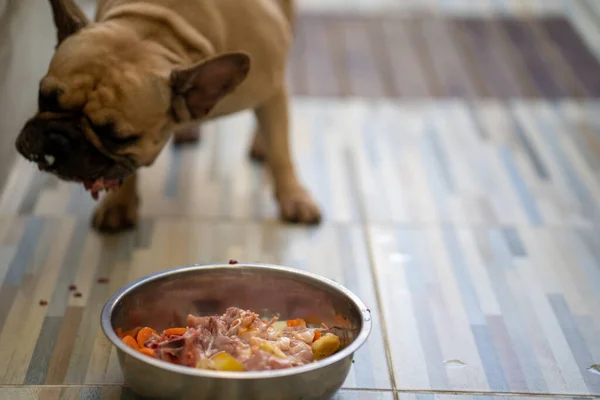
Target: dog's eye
<point x="110" y="139"/>
<point x="117" y="142"/>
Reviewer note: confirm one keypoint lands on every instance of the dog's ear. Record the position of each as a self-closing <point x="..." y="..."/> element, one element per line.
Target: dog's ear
<point x="196" y="90"/>
<point x="68" y="18"/>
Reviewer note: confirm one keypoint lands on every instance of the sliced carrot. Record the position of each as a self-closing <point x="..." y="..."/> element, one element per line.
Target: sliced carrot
<point x="175" y="331"/>
<point x="147" y="351"/>
<point x="144" y="334"/>
<point x="119" y="333"/>
<point x="296" y="322"/>
<point x="313" y="319"/>
<point x="132" y="332"/>
<point x="130" y="341"/>
<point x="317" y="335"/>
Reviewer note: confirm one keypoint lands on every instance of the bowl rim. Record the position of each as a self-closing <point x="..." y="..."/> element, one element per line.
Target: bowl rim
<point x="359" y="341"/>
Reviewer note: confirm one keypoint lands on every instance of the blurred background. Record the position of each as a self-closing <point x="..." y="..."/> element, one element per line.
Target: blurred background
<point x="370" y="48"/>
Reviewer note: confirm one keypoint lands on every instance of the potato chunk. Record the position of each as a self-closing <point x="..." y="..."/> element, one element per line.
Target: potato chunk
<point x="226" y="362"/>
<point x="325" y="346"/>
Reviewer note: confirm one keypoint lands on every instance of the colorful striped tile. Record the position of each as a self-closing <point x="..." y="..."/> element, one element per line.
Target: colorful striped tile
<point x="493" y="56"/>
<point x="63" y="343"/>
<point x="446" y="7"/>
<point x="535" y="60"/>
<point x="521" y="332"/>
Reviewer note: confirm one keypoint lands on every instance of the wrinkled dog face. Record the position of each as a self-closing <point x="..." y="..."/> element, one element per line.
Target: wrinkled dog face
<point x="110" y="100"/>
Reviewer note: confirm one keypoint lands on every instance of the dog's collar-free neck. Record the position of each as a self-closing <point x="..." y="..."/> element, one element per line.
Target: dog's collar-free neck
<point x="178" y="25"/>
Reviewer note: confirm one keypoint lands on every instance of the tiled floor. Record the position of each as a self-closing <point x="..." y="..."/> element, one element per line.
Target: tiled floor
<point x="486" y="260"/>
<point x="467" y="217"/>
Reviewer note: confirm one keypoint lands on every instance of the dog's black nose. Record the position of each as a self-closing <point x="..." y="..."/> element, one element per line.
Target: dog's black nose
<point x="56" y="150"/>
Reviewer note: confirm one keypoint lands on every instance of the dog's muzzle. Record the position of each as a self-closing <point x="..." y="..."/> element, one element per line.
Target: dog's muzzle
<point x="60" y="148"/>
<point x="49" y="150"/>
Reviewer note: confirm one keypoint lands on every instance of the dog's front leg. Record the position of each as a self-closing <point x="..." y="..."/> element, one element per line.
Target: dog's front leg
<point x="295" y="203"/>
<point x="118" y="210"/>
<point x="258" y="149"/>
<point x="187" y="135"/>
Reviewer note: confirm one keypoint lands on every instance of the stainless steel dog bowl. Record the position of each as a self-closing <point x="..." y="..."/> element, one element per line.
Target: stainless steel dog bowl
<point x="165" y="299"/>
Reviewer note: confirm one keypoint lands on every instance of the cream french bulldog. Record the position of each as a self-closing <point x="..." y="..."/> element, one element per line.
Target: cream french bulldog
<point x="119" y="87"/>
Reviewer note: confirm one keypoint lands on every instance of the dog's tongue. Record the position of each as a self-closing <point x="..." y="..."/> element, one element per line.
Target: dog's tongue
<point x="98" y="185"/>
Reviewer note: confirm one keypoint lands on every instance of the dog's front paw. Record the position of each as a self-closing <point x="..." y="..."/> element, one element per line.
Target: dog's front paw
<point x="116" y="213"/>
<point x="297" y="206"/>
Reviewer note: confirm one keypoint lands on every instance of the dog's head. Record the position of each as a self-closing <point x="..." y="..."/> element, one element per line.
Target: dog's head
<point x="111" y="99"/>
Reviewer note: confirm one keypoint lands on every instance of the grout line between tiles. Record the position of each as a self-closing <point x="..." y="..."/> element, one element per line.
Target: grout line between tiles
<point x="396" y="391"/>
<point x="362" y="213"/>
<point x="501" y="394"/>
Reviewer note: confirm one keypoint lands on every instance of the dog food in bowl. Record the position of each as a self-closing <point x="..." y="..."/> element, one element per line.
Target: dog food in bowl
<point x="238" y="340"/>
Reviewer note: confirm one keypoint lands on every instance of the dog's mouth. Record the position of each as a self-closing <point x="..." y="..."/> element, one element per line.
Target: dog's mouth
<point x="97" y="186"/>
<point x="93" y="185"/>
<point x="58" y="147"/>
